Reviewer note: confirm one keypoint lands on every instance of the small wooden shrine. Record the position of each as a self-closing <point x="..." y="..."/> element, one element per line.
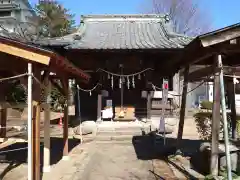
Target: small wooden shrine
<point x="126" y="54"/>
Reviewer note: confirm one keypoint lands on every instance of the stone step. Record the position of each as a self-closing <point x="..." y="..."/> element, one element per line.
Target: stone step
<point x="106" y="133"/>
<point x="114" y="138"/>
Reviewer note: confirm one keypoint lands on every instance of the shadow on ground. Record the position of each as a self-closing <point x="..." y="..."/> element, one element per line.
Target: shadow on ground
<point x="16" y="158"/>
<point x="151" y="146"/>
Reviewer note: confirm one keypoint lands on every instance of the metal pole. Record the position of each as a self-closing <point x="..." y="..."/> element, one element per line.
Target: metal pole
<point x="225" y="124"/>
<point x="30" y="174"/>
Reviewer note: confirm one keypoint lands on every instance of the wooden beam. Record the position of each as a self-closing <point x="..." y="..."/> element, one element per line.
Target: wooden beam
<point x="203" y="72"/>
<point x="193" y="56"/>
<point x="215" y="122"/>
<point x="220" y="36"/>
<point x="32" y="56"/>
<point x="208" y="71"/>
<point x="183" y="106"/>
<point x="56" y="85"/>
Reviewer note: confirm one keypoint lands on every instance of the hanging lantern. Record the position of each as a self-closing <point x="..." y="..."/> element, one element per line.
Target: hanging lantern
<point x="139" y="76"/>
<point x="90" y="93"/>
<point x="128" y="83"/>
<point x="112" y="82"/>
<point x="133" y="82"/>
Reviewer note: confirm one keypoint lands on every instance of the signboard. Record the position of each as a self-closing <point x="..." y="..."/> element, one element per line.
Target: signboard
<point x="164" y="103"/>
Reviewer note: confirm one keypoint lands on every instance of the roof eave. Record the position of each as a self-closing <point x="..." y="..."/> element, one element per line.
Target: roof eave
<point x="221" y="35"/>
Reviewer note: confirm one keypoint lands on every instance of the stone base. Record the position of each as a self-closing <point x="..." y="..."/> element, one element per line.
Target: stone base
<point x="201" y="160"/>
<point x="65" y="158"/>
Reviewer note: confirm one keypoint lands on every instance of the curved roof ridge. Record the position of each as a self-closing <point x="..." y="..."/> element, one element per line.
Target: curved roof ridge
<point x="124" y="17"/>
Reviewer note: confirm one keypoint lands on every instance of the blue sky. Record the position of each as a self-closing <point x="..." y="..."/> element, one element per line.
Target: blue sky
<point x="222" y="12"/>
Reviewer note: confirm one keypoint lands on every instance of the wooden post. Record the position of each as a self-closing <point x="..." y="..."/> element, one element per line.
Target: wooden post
<point x="3" y="122"/>
<point x="66" y="118"/>
<point x="183" y="106"/>
<point x="37" y="142"/>
<point x="149" y="100"/>
<point x="215" y="122"/>
<point x="99" y="108"/>
<point x="46" y="160"/>
<point x="36" y="127"/>
<point x="232" y="103"/>
<point x="34" y="142"/>
<point x="225" y="121"/>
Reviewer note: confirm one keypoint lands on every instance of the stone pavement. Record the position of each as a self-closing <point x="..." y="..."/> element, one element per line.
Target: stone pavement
<point x="102" y="161"/>
<point x="112" y="155"/>
<point x="115" y="162"/>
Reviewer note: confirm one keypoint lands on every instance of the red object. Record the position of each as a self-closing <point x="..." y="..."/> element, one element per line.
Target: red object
<point x="60" y="121"/>
<point x="165" y="86"/>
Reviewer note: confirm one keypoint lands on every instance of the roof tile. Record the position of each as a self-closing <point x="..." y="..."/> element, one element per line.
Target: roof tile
<point x="123" y="32"/>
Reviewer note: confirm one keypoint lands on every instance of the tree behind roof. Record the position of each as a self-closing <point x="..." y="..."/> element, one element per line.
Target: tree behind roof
<point x="53" y="19"/>
<point x="187" y="16"/>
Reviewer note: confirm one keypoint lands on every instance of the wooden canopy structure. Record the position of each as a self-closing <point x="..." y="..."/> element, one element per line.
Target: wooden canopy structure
<point x="14" y="57"/>
<point x="207" y="51"/>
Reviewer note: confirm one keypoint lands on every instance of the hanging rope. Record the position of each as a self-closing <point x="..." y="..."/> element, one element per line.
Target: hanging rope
<point x="13" y="77"/>
<point x="160" y="89"/>
<point x="125" y="75"/>
<point x="233" y="76"/>
<point x="89" y="90"/>
<point x="17" y="149"/>
<point x="39" y="82"/>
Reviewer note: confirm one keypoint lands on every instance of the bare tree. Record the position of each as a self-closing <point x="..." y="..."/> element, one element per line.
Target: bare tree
<point x="186" y="16"/>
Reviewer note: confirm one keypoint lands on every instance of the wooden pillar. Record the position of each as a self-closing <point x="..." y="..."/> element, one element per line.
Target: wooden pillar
<point x="36" y="141"/>
<point x="183" y="106"/>
<point x="215" y="122"/>
<point x="66" y="118"/>
<point x="33" y="142"/>
<point x="46" y="159"/>
<point x="232" y="103"/>
<point x="36" y="126"/>
<point x="149" y="105"/>
<point x="99" y="108"/>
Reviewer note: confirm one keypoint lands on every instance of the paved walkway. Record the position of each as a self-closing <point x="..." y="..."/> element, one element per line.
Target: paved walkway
<point x="115" y="162"/>
<point x="113" y="155"/>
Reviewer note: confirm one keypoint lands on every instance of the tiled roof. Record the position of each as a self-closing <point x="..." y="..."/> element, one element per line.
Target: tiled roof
<point x="122" y="32"/>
